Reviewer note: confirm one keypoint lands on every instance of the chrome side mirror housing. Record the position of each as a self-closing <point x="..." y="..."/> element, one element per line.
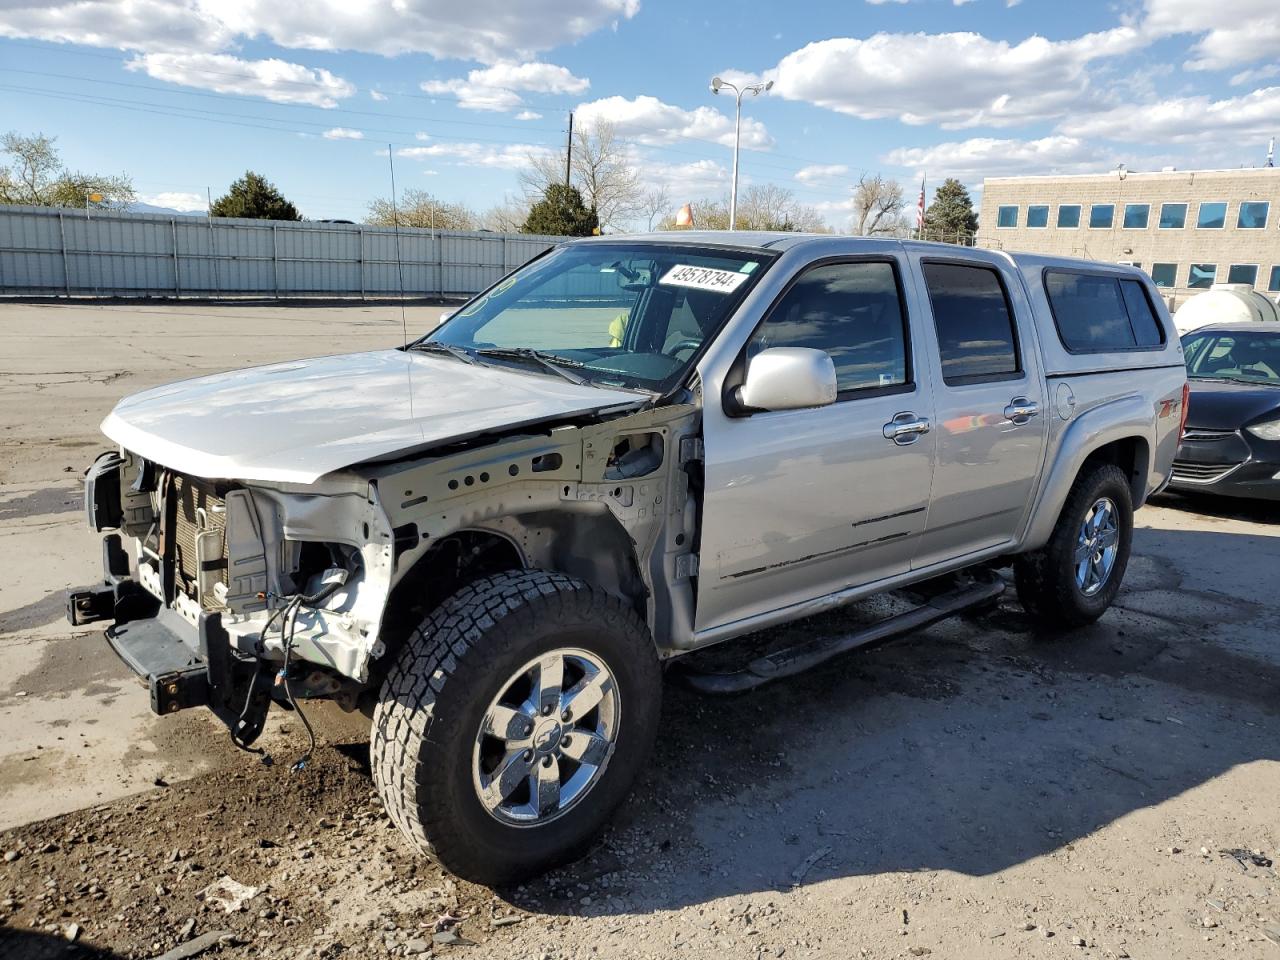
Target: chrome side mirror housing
<point x="788" y="378"/>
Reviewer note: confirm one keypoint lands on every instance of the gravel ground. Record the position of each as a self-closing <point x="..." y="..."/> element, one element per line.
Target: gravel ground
<point x="973" y="791"/>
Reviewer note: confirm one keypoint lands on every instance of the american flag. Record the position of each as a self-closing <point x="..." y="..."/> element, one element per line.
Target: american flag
<point x="920" y="208"/>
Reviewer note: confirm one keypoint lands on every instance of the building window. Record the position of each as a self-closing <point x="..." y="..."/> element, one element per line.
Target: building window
<point x="1243" y="273"/>
<point x="1213" y="216"/>
<point x="1274" y="283"/>
<point x="1136" y="215"/>
<point x="1038" y="215"/>
<point x="1173" y="216"/>
<point x="1164" y="274"/>
<point x="1007" y="216"/>
<point x="1130" y="263"/>
<point x="1253" y="215"/>
<point x="1201" y="275"/>
<point x="1069" y="215"/>
<point x="1102" y="216"/>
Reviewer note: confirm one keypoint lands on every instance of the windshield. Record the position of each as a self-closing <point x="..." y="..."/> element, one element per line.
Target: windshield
<point x="624" y="314"/>
<point x="1245" y="355"/>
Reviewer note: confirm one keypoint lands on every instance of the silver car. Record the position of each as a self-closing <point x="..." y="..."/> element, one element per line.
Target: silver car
<point x="497" y="538"/>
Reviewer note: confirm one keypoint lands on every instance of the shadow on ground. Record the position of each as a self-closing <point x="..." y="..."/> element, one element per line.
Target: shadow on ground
<point x="972" y="747"/>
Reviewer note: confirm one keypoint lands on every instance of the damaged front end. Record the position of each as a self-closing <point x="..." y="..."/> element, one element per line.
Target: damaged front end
<point x="229" y="595"/>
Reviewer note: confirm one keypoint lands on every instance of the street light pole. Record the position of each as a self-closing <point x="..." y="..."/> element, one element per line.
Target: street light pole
<point x="755" y="89"/>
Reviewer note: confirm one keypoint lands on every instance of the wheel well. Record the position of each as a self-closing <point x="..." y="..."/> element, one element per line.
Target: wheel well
<point x="1132" y="455"/>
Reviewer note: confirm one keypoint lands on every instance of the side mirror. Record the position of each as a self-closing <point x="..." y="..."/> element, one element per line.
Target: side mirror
<point x="788" y="378"/>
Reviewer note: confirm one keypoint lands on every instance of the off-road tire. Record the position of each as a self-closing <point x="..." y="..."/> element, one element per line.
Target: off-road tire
<point x="1046" y="579"/>
<point x="448" y="672"/>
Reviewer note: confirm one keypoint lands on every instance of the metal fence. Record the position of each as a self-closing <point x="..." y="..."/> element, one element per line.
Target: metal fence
<point x="48" y="251"/>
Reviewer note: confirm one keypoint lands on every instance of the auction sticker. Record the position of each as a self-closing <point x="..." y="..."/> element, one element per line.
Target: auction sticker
<point x="703" y="278"/>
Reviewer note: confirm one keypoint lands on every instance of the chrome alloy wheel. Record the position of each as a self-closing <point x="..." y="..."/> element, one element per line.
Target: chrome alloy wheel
<point x="1097" y="544"/>
<point x="546" y="738"/>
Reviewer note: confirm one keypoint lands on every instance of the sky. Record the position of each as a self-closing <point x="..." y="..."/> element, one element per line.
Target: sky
<point x="184" y="95"/>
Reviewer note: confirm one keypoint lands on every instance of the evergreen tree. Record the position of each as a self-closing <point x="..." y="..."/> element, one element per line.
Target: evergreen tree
<point x="256" y="198"/>
<point x="562" y="213"/>
<point x="951" y="217"/>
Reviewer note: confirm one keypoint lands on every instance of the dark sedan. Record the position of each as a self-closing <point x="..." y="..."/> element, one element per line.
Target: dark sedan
<point x="1231" y="443"/>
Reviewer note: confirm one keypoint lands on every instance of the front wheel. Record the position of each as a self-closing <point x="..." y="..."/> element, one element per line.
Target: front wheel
<point x="513" y="723"/>
<point x="1075" y="577"/>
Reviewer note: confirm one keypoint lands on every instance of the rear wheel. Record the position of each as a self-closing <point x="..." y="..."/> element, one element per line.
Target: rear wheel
<point x="1075" y="577"/>
<point x="514" y="722"/>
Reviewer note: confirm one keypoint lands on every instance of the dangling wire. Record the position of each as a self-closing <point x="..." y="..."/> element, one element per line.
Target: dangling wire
<point x="291" y="624"/>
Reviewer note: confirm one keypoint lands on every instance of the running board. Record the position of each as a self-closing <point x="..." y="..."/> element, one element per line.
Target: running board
<point x="790" y="661"/>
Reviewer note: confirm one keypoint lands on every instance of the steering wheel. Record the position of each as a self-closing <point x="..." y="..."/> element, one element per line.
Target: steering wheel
<point x="688" y="343"/>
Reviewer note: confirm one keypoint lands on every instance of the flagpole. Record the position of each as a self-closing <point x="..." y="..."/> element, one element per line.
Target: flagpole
<point x="920" y="209"/>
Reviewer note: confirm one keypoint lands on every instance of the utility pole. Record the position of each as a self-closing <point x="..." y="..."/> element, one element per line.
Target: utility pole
<point x="568" y="152"/>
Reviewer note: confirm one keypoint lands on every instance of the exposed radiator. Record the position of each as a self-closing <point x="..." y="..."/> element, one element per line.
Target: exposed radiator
<point x="197" y="510"/>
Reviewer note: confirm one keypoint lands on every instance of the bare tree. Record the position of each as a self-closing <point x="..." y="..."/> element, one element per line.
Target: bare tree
<point x="39" y="178"/>
<point x="417" y="208"/>
<point x="878" y="204"/>
<point x="506" y="217"/>
<point x="760" y="207"/>
<point x="601" y="169"/>
<point x="655" y="204"/>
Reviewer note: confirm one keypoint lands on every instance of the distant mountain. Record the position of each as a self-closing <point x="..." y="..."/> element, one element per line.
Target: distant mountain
<point x="140" y="207"/>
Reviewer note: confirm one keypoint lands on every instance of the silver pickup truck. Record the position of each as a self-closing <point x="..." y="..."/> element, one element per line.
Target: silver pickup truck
<point x="496" y="539"/>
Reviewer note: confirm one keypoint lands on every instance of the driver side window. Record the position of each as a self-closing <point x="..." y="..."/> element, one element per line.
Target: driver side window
<point x="854" y="312"/>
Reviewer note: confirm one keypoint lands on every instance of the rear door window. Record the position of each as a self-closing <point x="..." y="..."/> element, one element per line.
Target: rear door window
<point x="1096" y="313"/>
<point x="971" y="312"/>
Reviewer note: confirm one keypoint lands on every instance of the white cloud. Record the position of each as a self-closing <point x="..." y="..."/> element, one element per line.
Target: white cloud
<point x="987" y="156"/>
<point x="275" y="80"/>
<point x="484" y="30"/>
<point x="954" y="79"/>
<point x="1184" y="119"/>
<point x="687" y="181"/>
<point x="499" y="87"/>
<point x="343" y="133"/>
<point x="1253" y="76"/>
<point x="511" y="156"/>
<point x="817" y="172"/>
<point x="377" y="95"/>
<point x="183" y="202"/>
<point x="528" y="115"/>
<point x="1234" y="32"/>
<point x="650" y="121"/>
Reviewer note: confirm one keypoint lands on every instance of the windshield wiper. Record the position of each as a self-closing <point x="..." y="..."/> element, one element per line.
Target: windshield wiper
<point x="436" y="346"/>
<point x="548" y="361"/>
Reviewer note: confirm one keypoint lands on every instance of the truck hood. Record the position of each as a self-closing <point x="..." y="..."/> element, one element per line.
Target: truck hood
<point x="296" y="421"/>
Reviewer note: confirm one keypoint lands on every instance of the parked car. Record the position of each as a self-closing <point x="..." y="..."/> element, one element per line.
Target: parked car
<point x="628" y="450"/>
<point x="1231" y="444"/>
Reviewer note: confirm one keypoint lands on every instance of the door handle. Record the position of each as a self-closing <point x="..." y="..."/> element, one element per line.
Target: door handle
<point x="1020" y="410"/>
<point x="906" y="428"/>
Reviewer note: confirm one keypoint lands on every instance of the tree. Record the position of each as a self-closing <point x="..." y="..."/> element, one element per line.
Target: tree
<point x="600" y="168"/>
<point x="877" y="206"/>
<point x="562" y="213"/>
<point x="39" y="178"/>
<point x="506" y="217"/>
<point x="760" y="207"/>
<point x="418" y="208"/>
<point x="254" y="197"/>
<point x="655" y="204"/>
<point x="951" y="217"/>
